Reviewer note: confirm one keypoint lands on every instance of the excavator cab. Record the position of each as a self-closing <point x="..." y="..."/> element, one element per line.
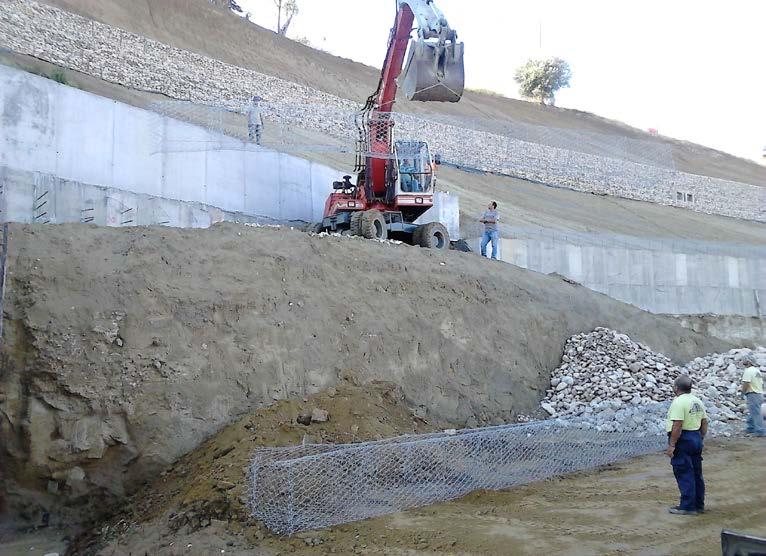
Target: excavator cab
<point x="434" y="70"/>
<point x="414" y="167"/>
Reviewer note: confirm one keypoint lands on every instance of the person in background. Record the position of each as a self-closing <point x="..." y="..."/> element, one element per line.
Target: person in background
<point x="489" y="218"/>
<point x="752" y="389"/>
<point x="687" y="426"/>
<point x="255" y="120"/>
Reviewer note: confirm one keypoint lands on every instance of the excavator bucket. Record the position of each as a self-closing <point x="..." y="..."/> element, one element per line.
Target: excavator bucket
<point x="434" y="72"/>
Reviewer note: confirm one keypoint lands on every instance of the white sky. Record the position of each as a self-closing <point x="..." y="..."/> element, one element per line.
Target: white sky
<point x="693" y="69"/>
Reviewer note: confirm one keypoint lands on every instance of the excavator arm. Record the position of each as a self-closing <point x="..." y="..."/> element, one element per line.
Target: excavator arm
<point x="434" y="71"/>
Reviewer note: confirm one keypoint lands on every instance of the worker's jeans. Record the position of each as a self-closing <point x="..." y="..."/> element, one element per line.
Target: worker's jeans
<point x="687" y="467"/>
<point x="254" y="133"/>
<point x="754" y="419"/>
<point x="494" y="237"/>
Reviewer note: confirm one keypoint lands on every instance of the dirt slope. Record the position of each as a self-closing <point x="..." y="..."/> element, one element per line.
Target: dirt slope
<point x="210" y="483"/>
<point x="202" y="27"/>
<point x="125" y="348"/>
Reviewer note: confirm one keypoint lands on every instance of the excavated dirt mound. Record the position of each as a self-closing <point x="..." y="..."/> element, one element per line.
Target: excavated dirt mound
<point x="208" y="488"/>
<point x="126" y="348"/>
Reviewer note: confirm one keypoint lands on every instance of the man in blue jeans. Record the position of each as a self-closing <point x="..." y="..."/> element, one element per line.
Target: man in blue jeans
<point x="489" y="218"/>
<point x="752" y="389"/>
<point x="687" y="426"/>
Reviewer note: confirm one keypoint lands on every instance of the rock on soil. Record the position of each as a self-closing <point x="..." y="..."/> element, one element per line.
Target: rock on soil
<point x="619" y="384"/>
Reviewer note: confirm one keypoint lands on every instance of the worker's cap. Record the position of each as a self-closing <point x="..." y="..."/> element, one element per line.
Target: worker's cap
<point x="749" y="360"/>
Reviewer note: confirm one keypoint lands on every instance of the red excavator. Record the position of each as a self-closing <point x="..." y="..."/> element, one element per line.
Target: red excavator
<point x="396" y="178"/>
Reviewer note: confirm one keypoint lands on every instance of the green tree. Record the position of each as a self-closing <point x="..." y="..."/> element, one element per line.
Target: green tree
<point x="541" y="79"/>
<point x="286" y="10"/>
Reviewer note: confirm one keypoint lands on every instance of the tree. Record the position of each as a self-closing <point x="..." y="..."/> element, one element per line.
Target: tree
<point x="286" y="10"/>
<point x="235" y="7"/>
<point x="541" y="79"/>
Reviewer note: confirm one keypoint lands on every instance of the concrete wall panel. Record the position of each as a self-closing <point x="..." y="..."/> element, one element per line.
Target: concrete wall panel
<point x="226" y="179"/>
<point x="295" y="201"/>
<point x="321" y="186"/>
<point x="61" y="131"/>
<point x="84" y="136"/>
<point x="262" y="175"/>
<point x="136" y="164"/>
<point x="184" y="173"/>
<point x="27" y="122"/>
<point x="658" y="281"/>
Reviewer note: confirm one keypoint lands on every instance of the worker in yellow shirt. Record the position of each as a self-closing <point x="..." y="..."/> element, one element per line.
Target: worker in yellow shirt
<point x="752" y="388"/>
<point x="687" y="426"/>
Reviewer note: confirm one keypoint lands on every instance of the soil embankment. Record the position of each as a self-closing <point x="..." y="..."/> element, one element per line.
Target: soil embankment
<point x="127" y="348"/>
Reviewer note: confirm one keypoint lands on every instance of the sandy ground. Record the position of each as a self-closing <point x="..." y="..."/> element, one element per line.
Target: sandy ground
<point x="619" y="509"/>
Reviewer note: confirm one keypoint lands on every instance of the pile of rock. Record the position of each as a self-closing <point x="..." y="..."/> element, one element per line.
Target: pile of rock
<point x="717" y="380"/>
<point x="604" y="365"/>
<point x="617" y="384"/>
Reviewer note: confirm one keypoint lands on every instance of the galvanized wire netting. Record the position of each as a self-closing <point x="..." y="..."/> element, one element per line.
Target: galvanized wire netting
<point x="308" y="487"/>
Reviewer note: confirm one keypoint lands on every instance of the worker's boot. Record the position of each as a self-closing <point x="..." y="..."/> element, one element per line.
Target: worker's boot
<point x="678" y="511"/>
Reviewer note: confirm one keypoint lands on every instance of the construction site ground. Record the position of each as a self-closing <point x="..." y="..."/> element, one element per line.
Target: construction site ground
<point x="197" y="506"/>
<point x="153" y="361"/>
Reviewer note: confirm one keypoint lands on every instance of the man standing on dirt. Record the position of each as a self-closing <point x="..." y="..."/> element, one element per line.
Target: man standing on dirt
<point x="752" y="389"/>
<point x="687" y="426"/>
<point x="489" y="218"/>
<point x="254" y="120"/>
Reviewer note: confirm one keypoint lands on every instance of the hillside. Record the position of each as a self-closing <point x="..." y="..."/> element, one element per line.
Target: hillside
<point x="127" y="347"/>
<point x="200" y="26"/>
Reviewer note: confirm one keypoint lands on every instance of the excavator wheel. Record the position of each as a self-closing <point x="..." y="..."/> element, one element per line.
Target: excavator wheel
<point x="417" y="235"/>
<point x="433" y="236"/>
<point x="374" y="225"/>
<point x="315" y="228"/>
<point x="356" y="223"/>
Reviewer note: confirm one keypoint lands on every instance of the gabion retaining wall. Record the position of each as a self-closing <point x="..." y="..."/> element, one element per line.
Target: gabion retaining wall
<point x="134" y="61"/>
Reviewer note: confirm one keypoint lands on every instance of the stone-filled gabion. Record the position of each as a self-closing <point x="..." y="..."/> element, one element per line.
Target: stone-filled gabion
<point x="134" y="61"/>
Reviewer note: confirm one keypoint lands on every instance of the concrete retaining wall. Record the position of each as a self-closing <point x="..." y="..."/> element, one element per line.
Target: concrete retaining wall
<point x="742" y="331"/>
<point x="64" y="132"/>
<point x="73" y="155"/>
<point x="657" y="279"/>
<point x="137" y="62"/>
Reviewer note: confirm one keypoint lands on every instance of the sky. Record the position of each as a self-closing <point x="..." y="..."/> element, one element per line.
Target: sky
<point x="692" y="69"/>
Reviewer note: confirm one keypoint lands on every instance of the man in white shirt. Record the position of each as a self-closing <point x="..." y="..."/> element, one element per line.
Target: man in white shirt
<point x="752" y="388"/>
